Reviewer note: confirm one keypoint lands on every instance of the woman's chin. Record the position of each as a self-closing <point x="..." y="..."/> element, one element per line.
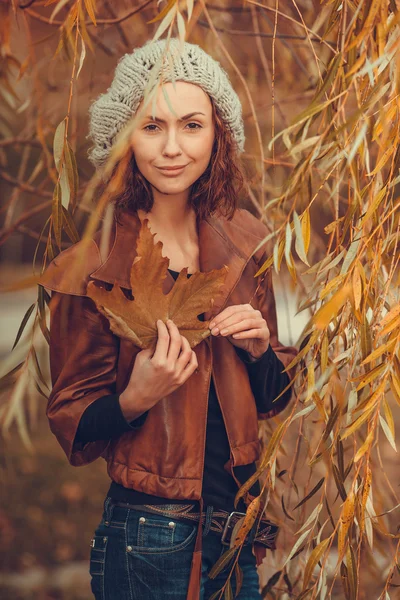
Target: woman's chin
<point x="172" y="186"/>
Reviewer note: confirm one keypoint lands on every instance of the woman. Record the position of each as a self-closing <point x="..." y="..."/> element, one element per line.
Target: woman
<point x="177" y="427"/>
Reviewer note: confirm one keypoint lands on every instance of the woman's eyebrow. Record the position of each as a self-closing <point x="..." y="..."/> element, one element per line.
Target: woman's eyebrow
<point x="184" y="118"/>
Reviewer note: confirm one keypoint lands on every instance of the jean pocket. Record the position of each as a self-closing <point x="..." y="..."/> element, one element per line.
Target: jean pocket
<point x="156" y="534"/>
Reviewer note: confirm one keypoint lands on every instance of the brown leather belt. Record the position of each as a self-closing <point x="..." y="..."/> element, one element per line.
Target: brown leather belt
<point x="222" y="522"/>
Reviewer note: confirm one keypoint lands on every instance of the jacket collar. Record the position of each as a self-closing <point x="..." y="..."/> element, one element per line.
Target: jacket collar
<point x="221" y="242"/>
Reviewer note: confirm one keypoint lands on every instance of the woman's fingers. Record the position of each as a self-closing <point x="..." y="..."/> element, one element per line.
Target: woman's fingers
<point x="186" y="354"/>
<point x="243" y="325"/>
<point x="175" y="342"/>
<point x="162" y="344"/>
<point x="225" y="320"/>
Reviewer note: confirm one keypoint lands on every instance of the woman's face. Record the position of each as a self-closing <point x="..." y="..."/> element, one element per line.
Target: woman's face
<point x="185" y="140"/>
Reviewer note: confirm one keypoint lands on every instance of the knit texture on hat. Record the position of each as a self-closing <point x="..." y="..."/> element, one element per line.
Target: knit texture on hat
<point x="113" y="109"/>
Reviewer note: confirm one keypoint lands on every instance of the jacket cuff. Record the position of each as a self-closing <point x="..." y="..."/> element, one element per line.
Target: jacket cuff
<point x="265" y="358"/>
<point x="104" y="419"/>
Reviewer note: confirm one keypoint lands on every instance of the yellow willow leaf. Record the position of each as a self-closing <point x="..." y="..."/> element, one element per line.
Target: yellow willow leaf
<point x="306" y="229"/>
<point x="357" y="65"/>
<point x="364" y="497"/>
<point x="265" y="266"/>
<point x="332" y="226"/>
<point x="278" y="254"/>
<point x="312" y="562"/>
<point x="376" y="202"/>
<point x="387" y="432"/>
<point x="166" y="22"/>
<point x="331" y="285"/>
<point x="288" y="244"/>
<point x="392" y="314"/>
<point x="366" y="340"/>
<point x="57" y="215"/>
<point x="346" y="519"/>
<point x="350" y="256"/>
<point x="221" y="562"/>
<point x="91" y="7"/>
<point x="291" y="269"/>
<point x="361" y="451"/>
<point x="351" y="404"/>
<point x="324" y="353"/>
<point x="299" y="244"/>
<point x="379" y="351"/>
<point x="357" y="287"/>
<point x="388" y="415"/>
<point x="395" y="387"/>
<point x="382" y="161"/>
<point x="248" y="522"/>
<point x="57" y="9"/>
<point x="303" y="351"/>
<point x="310" y="381"/>
<point x="374" y="8"/>
<point x="164" y="11"/>
<point x="373" y="399"/>
<point x="189" y="4"/>
<point x="372" y="375"/>
<point x="272" y="445"/>
<point x="325" y="314"/>
<point x="297" y="545"/>
<point x="356" y="424"/>
<point x="351" y="572"/>
<point x="389" y="116"/>
<point x="395" y="323"/>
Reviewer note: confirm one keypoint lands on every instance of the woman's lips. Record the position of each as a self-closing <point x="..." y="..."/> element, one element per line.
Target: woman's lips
<point x="171" y="172"/>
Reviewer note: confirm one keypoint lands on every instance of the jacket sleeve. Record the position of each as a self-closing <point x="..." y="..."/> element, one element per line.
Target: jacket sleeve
<point x="104" y="419"/>
<point x="265" y="374"/>
<point x="83" y="361"/>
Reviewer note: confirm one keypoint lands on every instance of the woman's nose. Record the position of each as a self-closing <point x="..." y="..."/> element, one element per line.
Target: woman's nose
<point x="171" y="145"/>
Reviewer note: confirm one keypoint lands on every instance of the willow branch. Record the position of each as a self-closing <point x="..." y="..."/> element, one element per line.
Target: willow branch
<point x="115" y="21"/>
<point x="25" y="187"/>
<point x="260" y="34"/>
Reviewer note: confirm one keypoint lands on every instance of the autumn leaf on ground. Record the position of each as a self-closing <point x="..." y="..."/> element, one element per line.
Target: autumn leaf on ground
<point x="136" y="319"/>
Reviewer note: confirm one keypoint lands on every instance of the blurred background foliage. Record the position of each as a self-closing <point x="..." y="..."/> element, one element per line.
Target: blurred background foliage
<point x="319" y="84"/>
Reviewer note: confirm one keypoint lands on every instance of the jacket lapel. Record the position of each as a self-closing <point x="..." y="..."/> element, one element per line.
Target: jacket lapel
<point x="216" y="249"/>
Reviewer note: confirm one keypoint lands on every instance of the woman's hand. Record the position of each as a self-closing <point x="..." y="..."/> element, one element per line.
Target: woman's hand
<point x="244" y="326"/>
<point x="154" y="376"/>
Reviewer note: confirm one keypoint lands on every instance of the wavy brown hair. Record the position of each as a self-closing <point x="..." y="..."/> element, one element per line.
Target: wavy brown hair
<point x="216" y="190"/>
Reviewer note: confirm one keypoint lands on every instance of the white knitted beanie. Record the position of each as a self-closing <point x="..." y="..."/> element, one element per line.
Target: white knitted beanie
<point x="113" y="109"/>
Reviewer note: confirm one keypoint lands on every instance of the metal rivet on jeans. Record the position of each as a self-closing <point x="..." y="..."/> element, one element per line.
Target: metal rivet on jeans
<point x="106" y="522"/>
<point x="129" y="548"/>
<point x="171" y="524"/>
<point x="142" y="520"/>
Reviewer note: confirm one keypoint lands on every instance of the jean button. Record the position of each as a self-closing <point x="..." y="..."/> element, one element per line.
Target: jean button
<point x="171" y="524"/>
<point x="142" y="520"/>
<point x="129" y="548"/>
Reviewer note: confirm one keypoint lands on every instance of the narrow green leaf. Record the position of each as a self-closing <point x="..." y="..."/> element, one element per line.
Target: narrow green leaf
<point x="23" y="324"/>
<point x="311" y="494"/>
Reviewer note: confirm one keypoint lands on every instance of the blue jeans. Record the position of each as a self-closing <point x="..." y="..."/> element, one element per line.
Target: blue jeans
<point x="137" y="555"/>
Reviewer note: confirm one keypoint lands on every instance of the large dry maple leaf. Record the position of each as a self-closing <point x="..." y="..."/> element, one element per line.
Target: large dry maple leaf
<point x="136" y="319"/>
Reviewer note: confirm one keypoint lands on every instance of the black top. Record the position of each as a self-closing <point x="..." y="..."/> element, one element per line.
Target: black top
<point x="103" y="419"/>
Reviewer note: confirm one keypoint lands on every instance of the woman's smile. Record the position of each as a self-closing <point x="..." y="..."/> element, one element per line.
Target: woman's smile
<point x="171" y="171"/>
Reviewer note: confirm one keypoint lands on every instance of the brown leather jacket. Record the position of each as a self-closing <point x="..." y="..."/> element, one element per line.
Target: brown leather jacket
<point x="165" y="455"/>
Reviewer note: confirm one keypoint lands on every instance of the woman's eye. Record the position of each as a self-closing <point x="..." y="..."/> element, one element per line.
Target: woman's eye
<point x="147" y="127"/>
<point x="191" y="123"/>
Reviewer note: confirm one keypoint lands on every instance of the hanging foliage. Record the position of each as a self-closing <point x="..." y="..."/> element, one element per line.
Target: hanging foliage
<point x="320" y="87"/>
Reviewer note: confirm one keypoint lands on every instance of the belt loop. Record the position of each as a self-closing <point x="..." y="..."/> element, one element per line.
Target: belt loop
<point x="108" y="510"/>
<point x="207" y="524"/>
